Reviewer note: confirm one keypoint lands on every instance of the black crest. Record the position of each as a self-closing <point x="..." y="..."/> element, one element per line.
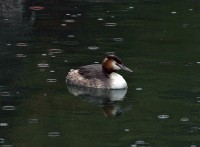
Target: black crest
<point x="112" y="55"/>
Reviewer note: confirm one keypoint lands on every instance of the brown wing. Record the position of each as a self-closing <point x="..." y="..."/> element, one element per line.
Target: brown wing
<point x="92" y="71"/>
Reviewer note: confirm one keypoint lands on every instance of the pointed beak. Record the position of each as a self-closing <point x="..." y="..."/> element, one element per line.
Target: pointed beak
<point x="124" y="68"/>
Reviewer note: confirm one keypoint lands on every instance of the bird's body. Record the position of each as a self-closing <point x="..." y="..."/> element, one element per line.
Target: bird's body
<point x="99" y="75"/>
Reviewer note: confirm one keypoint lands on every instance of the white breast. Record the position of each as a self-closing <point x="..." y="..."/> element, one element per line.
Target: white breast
<point x="117" y="81"/>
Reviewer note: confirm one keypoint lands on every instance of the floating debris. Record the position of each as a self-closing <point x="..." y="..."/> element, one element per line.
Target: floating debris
<point x="3" y="124"/>
<point x="36" y="8"/>
<point x="52" y="71"/>
<point x="100" y="19"/>
<point x="63" y="24"/>
<point x="8" y="93"/>
<point x="71" y="36"/>
<point x="131" y="7"/>
<point x="55" y="51"/>
<point x="54" y="134"/>
<point x="93" y="47"/>
<point x="163" y="116"/>
<point x="96" y="62"/>
<point x="190" y="9"/>
<point x="126" y="130"/>
<point x="21" y="44"/>
<point x="118" y="39"/>
<point x="174" y="12"/>
<point x="43" y="65"/>
<point x="74" y="15"/>
<point x="109" y="24"/>
<point x="44" y="55"/>
<point x="140" y="143"/>
<point x="69" y="20"/>
<point x="2" y="140"/>
<point x="189" y="64"/>
<point x="33" y="121"/>
<point x="139" y="89"/>
<point x="8" y="108"/>
<point x="5" y="19"/>
<point x="8" y="44"/>
<point x="5" y="93"/>
<point x="184" y="119"/>
<point x="51" y="80"/>
<point x="20" y="55"/>
<point x="198" y="99"/>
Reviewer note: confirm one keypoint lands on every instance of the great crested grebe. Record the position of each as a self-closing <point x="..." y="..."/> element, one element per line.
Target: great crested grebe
<point x="99" y="75"/>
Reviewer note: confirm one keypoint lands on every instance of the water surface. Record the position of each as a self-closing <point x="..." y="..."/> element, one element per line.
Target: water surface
<point x="157" y="39"/>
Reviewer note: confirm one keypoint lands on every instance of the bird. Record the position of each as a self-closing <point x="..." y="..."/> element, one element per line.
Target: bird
<point x="100" y="75"/>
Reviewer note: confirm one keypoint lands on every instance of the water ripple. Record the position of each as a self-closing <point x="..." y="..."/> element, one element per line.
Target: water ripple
<point x="54" y="134"/>
<point x="8" y="108"/>
<point x="163" y="116"/>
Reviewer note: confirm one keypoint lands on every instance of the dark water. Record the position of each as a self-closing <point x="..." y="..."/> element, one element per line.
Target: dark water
<point x="158" y="39"/>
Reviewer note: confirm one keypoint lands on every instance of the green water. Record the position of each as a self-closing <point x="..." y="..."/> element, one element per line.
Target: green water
<point x="158" y="39"/>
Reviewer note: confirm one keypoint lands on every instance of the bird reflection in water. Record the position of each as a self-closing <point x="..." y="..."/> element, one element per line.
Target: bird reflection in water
<point x="105" y="98"/>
